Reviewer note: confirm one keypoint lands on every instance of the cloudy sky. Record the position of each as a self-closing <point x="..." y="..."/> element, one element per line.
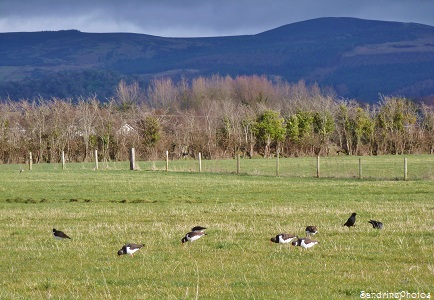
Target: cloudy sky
<point x="197" y="18"/>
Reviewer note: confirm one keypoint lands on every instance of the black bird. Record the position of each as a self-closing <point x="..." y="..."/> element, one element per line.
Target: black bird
<point x="351" y="220"/>
<point x="376" y="224"/>
<point x="59" y="235"/>
<point x="198" y="228"/>
<point x="192" y="236"/>
<point x="129" y="249"/>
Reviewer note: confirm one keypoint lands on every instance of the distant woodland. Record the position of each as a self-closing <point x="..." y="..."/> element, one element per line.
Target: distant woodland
<point x="216" y="116"/>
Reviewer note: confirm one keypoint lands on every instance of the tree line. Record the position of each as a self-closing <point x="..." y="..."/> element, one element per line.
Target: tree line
<point x="219" y="117"/>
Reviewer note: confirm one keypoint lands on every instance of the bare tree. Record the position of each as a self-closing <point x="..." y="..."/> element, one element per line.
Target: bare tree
<point x="427" y="128"/>
<point x="36" y="114"/>
<point x="127" y="94"/>
<point x="214" y="115"/>
<point x="12" y="133"/>
<point x="88" y="110"/>
<point x="163" y="94"/>
<point x="395" y="120"/>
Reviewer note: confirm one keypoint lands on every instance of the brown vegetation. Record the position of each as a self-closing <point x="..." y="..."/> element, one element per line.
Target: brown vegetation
<point x="219" y="117"/>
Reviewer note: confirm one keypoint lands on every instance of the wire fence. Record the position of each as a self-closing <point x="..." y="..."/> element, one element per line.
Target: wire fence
<point x="420" y="167"/>
<point x="389" y="167"/>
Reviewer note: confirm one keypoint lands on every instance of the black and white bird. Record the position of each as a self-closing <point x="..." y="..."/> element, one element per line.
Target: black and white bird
<point x="283" y="238"/>
<point x="60" y="235"/>
<point x="305" y="243"/>
<point x="130" y="249"/>
<point x="351" y="220"/>
<point x="311" y="230"/>
<point x="376" y="224"/>
<point x="192" y="236"/>
<point x="198" y="228"/>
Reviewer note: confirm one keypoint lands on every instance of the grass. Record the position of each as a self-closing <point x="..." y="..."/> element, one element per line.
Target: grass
<point x="101" y="210"/>
<point x="372" y="167"/>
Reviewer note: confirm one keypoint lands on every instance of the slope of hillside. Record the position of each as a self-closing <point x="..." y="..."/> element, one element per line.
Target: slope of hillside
<point x="359" y="58"/>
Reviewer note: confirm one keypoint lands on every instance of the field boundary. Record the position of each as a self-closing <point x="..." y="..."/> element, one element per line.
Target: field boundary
<point x="386" y="167"/>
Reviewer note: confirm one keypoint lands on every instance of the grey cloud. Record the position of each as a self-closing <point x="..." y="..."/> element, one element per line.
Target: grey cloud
<point x="196" y="17"/>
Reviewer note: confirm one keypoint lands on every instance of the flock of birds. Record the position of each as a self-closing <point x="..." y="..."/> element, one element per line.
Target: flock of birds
<point x="284" y="238"/>
<point x="198" y="231"/>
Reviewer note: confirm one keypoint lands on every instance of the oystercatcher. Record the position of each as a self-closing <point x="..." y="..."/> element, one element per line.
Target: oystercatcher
<point x="376" y="224"/>
<point x="283" y="238"/>
<point x="198" y="228"/>
<point x="351" y="220"/>
<point x="311" y="230"/>
<point x="305" y="243"/>
<point x="60" y="235"/>
<point x="129" y="249"/>
<point x="192" y="236"/>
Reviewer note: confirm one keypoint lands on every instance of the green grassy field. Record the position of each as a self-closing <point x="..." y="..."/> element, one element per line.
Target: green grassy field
<point x="103" y="209"/>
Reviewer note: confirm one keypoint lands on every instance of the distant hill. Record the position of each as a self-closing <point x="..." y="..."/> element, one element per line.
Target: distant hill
<point x="359" y="58"/>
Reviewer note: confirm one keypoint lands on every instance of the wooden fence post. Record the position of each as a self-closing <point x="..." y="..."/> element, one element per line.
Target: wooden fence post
<point x="167" y="160"/>
<point x="317" y="166"/>
<point x="132" y="159"/>
<point x="277" y="163"/>
<point x="63" y="160"/>
<point x="238" y="163"/>
<point x="30" y="161"/>
<point x="405" y="168"/>
<point x="360" y="168"/>
<point x="200" y="162"/>
<point x="96" y="159"/>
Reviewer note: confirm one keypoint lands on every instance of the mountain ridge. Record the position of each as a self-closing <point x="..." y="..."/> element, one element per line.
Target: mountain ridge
<point x="358" y="58"/>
